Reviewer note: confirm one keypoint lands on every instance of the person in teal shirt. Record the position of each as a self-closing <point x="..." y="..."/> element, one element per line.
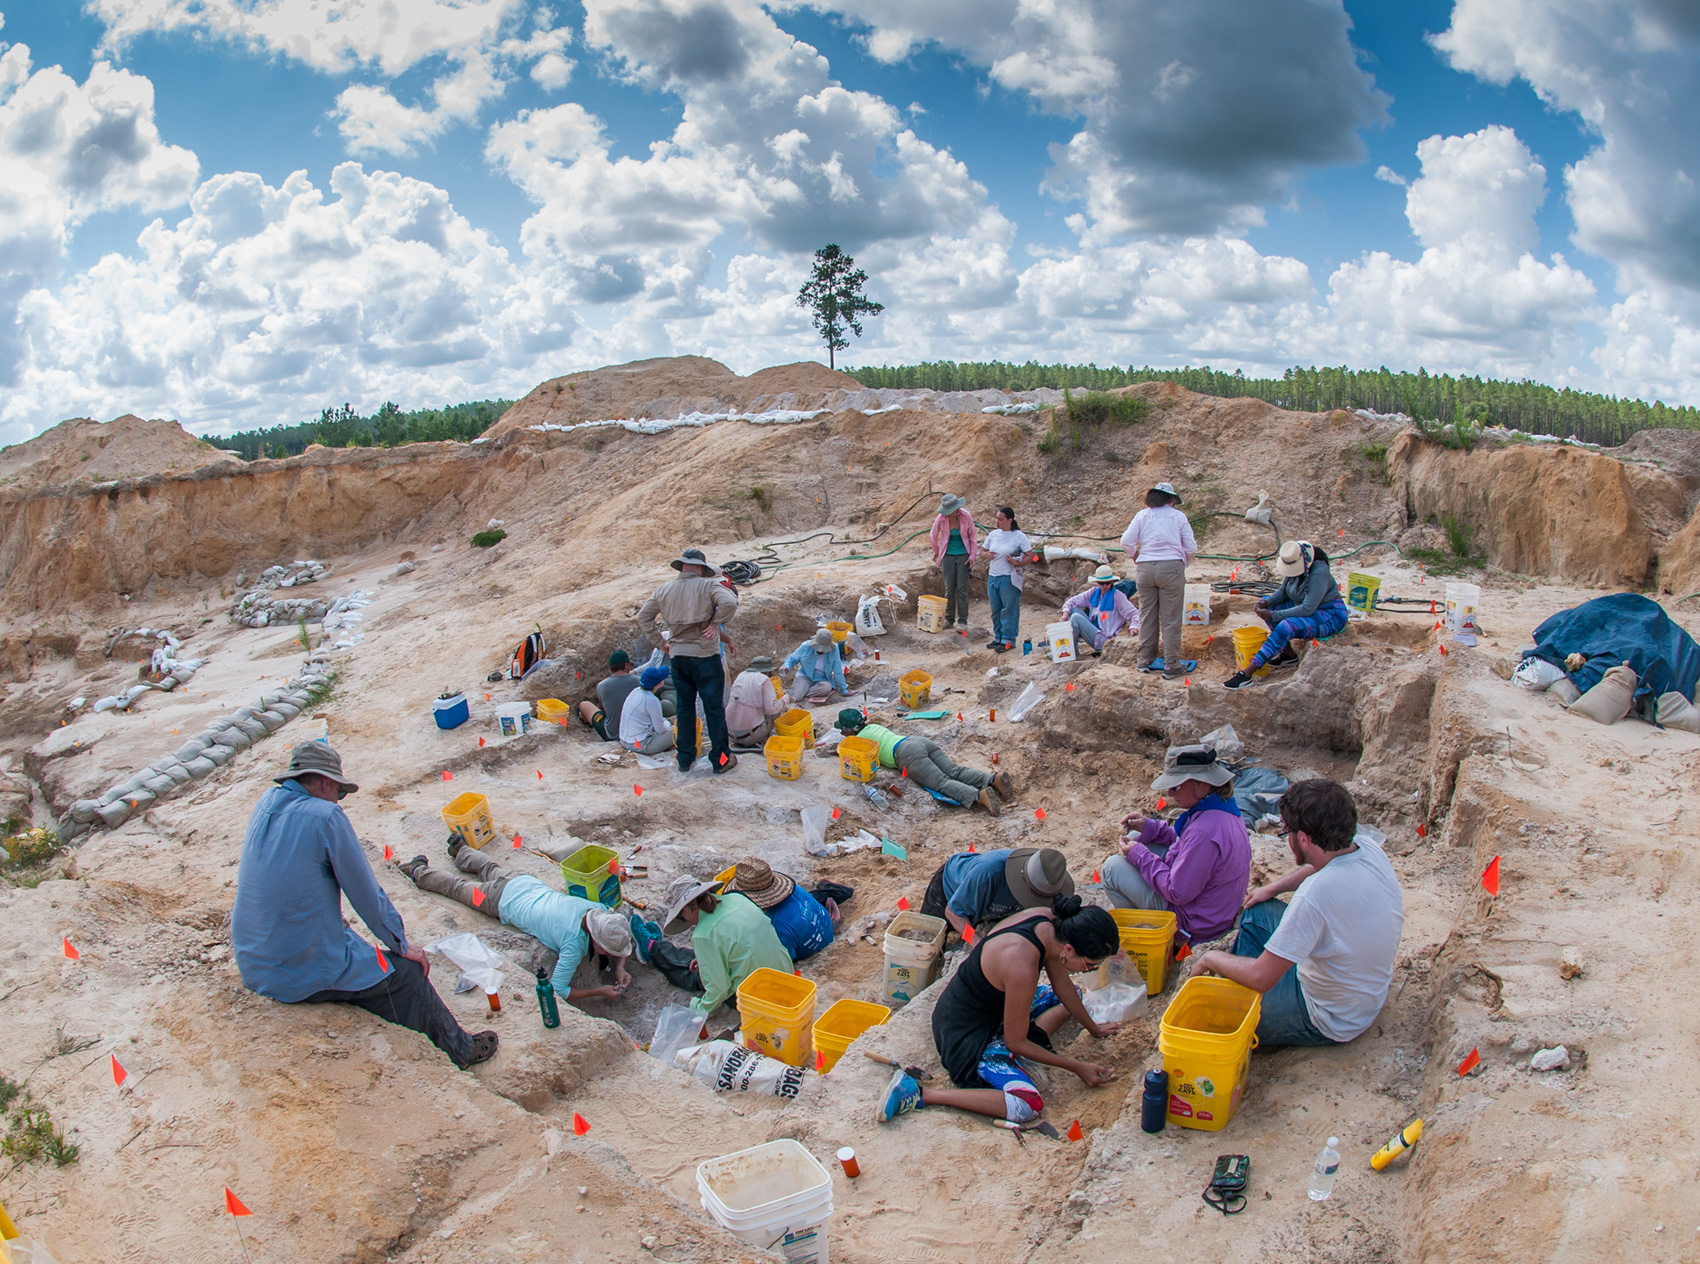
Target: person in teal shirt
<point x="731" y="937"/>
<point x="568" y="925"/>
<point x="924" y="762"/>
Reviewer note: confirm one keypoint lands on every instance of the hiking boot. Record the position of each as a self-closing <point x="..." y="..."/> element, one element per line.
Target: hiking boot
<point x="1004" y="784"/>
<point x="901" y="1096"/>
<point x="1239" y="680"/>
<point x="413" y="867"/>
<point x="726" y="763"/>
<point x="990" y="801"/>
<point x="995" y="645"/>
<point x="483" y="1049"/>
<point x="1173" y="675"/>
<point x="455" y="843"/>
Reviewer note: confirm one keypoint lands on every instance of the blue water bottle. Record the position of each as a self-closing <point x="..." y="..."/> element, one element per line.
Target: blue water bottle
<point x="1026" y="647"/>
<point x="1154" y="1105"/>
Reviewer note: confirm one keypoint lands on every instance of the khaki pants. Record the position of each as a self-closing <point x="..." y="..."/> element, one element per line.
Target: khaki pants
<point x="754" y="738"/>
<point x="1162" y="590"/>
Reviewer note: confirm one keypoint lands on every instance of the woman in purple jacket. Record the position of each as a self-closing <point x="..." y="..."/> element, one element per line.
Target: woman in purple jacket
<point x="1100" y="612"/>
<point x="1198" y="868"/>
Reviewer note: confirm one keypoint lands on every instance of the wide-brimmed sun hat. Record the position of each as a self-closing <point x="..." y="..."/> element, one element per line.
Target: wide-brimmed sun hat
<point x="761" y="663"/>
<point x="951" y="504"/>
<point x="316" y="757"/>
<point x="611" y="932"/>
<point x="1168" y="489"/>
<point x="764" y="888"/>
<point x="822" y="639"/>
<point x="1192" y="763"/>
<point x="1037" y="875"/>
<point x="685" y="888"/>
<point x="694" y="557"/>
<point x="1104" y="575"/>
<point x="1294" y="559"/>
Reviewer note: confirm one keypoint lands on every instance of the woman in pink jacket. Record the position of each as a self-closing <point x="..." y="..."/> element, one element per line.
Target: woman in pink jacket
<point x="953" y="549"/>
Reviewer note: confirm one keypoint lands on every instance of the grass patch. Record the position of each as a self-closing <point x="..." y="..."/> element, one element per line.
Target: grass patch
<point x="1100" y="408"/>
<point x="763" y="496"/>
<point x="1460" y="536"/>
<point x="31" y="1135"/>
<point x="489" y="539"/>
<point x="1443" y="562"/>
<point x="1053" y="437"/>
<point x="28" y="848"/>
<point x="1373" y="457"/>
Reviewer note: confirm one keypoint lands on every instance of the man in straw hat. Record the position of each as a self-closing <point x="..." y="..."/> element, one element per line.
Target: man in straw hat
<point x="981" y="888"/>
<point x="1100" y="612"/>
<point x="731" y="937"/>
<point x="924" y="762"/>
<point x="569" y="925"/>
<point x="1160" y="544"/>
<point x="1199" y="867"/>
<point x="693" y="607"/>
<point x="1306" y="606"/>
<point x="753" y="704"/>
<point x="803" y="922"/>
<point x="820" y="669"/>
<point x="299" y="859"/>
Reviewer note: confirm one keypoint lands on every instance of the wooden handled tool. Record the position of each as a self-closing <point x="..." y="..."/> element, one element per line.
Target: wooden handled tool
<point x="912" y="1071"/>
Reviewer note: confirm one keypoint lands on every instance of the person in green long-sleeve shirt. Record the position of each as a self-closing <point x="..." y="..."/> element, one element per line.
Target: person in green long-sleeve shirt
<point x="731" y="937"/>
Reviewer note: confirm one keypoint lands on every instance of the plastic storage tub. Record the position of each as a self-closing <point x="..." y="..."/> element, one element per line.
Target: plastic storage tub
<point x="593" y="873"/>
<point x="838" y="1028"/>
<point x="1206" y="1039"/>
<point x="929" y="614"/>
<point x="784" y="757"/>
<point x="469" y="816"/>
<point x="778" y="1011"/>
<point x="797" y="723"/>
<point x="915" y="688"/>
<point x="857" y="757"/>
<point x="451" y="711"/>
<point x="774" y="1197"/>
<point x="912" y="964"/>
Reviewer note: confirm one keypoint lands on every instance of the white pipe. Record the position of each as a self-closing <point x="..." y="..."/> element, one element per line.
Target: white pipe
<point x="1053" y="554"/>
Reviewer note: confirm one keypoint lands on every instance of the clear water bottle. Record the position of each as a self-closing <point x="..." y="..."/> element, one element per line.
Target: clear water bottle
<point x="1327" y="1168"/>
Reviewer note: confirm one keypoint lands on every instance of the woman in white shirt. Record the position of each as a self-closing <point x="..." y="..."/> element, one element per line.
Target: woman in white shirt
<point x="1008" y="548"/>
<point x="1161" y="544"/>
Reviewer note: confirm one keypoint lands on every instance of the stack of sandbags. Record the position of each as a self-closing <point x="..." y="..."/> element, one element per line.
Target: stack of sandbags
<point x="1609" y="701"/>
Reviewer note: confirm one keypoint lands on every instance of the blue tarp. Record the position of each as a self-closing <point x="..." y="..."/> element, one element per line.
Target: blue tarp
<point x="1622" y="628"/>
<point x="1257" y="791"/>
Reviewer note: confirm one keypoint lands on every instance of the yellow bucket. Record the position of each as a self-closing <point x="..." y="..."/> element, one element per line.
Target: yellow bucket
<point x="778" y="1011"/>
<point x="1247" y="641"/>
<point x="797" y="723"/>
<point x="1206" y="1039"/>
<point x="702" y="744"/>
<point x="1361" y="590"/>
<point x="784" y="757"/>
<point x="837" y="1029"/>
<point x="840" y="630"/>
<point x="553" y="711"/>
<point x="929" y="614"/>
<point x="857" y="758"/>
<point x="916" y="688"/>
<point x="1148" y="939"/>
<point x="469" y="816"/>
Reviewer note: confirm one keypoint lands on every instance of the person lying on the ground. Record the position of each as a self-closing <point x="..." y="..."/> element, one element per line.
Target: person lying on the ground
<point x="819" y="669"/>
<point x="924" y="762"/>
<point x="568" y="925"/>
<point x="642" y="726"/>
<point x="731" y="937"/>
<point x="994" y="1011"/>
<point x="752" y="705"/>
<point x="299" y="858"/>
<point x="694" y="608"/>
<point x="1324" y="961"/>
<point x="979" y="888"/>
<point x="1307" y="605"/>
<point x="1199" y="867"/>
<point x="803" y="923"/>
<point x="604" y="715"/>
<point x="1100" y="612"/>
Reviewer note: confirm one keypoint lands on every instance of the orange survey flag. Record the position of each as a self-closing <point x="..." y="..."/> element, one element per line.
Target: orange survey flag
<point x="234" y="1205"/>
<point x="71" y="954"/>
<point x="119" y="1074"/>
<point x="580" y="1125"/>
<point x="1490" y="877"/>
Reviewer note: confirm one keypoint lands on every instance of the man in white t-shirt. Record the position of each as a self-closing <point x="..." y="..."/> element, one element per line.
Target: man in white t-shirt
<point x="1324" y="961"/>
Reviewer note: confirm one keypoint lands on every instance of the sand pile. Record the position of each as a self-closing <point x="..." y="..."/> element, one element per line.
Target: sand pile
<point x="86" y="451"/>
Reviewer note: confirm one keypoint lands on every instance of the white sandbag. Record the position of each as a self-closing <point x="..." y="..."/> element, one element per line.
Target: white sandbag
<point x="1536" y="674"/>
<point x="1565" y="690"/>
<point x="1676" y="712"/>
<point x="1607" y="702"/>
<point x="726" y="1068"/>
<point x="867" y="617"/>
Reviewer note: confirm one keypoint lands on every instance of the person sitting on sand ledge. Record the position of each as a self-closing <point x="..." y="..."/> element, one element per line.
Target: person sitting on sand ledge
<point x="1100" y="612"/>
<point x="819" y="668"/>
<point x="752" y="705"/>
<point x="603" y="715"/>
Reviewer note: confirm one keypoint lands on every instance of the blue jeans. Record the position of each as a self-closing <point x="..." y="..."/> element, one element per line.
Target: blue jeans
<point x="1005" y="599"/>
<point x="703" y="678"/>
<point x="1085" y="630"/>
<point x="1284" y="1019"/>
<point x="1324" y="623"/>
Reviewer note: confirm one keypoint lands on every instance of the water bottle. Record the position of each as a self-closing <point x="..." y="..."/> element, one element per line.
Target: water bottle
<point x="546" y="1001"/>
<point x="1154" y="1105"/>
<point x="877" y="797"/>
<point x="1026" y="647"/>
<point x="1327" y="1167"/>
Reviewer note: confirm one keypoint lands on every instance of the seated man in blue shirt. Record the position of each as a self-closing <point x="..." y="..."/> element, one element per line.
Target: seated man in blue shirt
<point x="803" y="923"/>
<point x="981" y="888"/>
<point x="300" y="857"/>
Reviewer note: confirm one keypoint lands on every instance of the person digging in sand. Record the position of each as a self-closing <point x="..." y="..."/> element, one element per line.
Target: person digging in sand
<point x="568" y="925"/>
<point x="924" y="762"/>
<point x="819" y="669"/>
<point x="994" y="1010"/>
<point x="803" y="920"/>
<point x="981" y="888"/>
<point x="603" y="715"/>
<point x="731" y="937"/>
<point x="752" y="705"/>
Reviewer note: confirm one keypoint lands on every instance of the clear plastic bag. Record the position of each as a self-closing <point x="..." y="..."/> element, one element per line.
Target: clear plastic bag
<point x="678" y="1027"/>
<point x="815" y="821"/>
<point x="480" y="964"/>
<point x="1030" y="697"/>
<point x="1116" y="1002"/>
<point x="1226" y="741"/>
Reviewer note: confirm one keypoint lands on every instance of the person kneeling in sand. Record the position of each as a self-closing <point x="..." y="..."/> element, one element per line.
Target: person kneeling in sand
<point x="731" y="937"/>
<point x="1324" y="962"/>
<point x="568" y="925"/>
<point x="752" y="705"/>
<point x="819" y="667"/>
<point x="642" y="726"/>
<point x="605" y="713"/>
<point x="924" y="762"/>
<point x="981" y="888"/>
<point x="994" y="1011"/>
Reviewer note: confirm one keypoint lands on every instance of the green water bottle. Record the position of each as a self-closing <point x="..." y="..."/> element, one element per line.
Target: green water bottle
<point x="546" y="1001"/>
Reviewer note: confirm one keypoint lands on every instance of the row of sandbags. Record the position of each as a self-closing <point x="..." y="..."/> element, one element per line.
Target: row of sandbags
<point x="258" y="607"/>
<point x="1610" y="700"/>
<point x="209" y="750"/>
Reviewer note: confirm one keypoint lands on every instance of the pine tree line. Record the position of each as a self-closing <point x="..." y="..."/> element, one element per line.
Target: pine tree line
<point x="389" y="427"/>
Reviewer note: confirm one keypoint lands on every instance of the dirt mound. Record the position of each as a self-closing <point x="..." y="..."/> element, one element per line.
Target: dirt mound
<point x="805" y="375"/>
<point x="86" y="451"/>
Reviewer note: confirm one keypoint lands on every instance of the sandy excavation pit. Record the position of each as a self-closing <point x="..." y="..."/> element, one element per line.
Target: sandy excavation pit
<point x="354" y="1140"/>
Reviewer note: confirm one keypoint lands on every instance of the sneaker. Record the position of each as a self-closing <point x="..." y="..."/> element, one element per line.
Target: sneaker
<point x="1239" y="680"/>
<point x="1173" y="675"/>
<point x="1002" y="647"/>
<point x="454" y="845"/>
<point x="643" y="935"/>
<point x="1004" y="784"/>
<point x="995" y="645"/>
<point x="412" y="867"/>
<point x="990" y="801"/>
<point x="483" y="1049"/>
<point x="1286" y="658"/>
<point x="728" y="761"/>
<point x="901" y="1096"/>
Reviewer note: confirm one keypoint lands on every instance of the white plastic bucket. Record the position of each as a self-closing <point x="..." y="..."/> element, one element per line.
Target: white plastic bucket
<point x="911" y="965"/>
<point x="1462" y="601"/>
<point x="1061" y="639"/>
<point x="513" y="719"/>
<point x="1195" y="606"/>
<point x="773" y="1197"/>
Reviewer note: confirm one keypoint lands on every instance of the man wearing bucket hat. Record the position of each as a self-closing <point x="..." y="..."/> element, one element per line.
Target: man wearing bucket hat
<point x="1100" y="612"/>
<point x="752" y="705"/>
<point x="924" y="762"/>
<point x="1307" y="605"/>
<point x="803" y="923"/>
<point x="954" y="540"/>
<point x="820" y="669"/>
<point x="643" y="728"/>
<point x="731" y="937"/>
<point x="1199" y="867"/>
<point x="1160" y="543"/>
<point x="979" y="888"/>
<point x="299" y="859"/>
<point x="692" y="608"/>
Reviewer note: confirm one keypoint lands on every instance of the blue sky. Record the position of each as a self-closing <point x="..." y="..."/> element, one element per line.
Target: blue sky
<point x="234" y="212"/>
